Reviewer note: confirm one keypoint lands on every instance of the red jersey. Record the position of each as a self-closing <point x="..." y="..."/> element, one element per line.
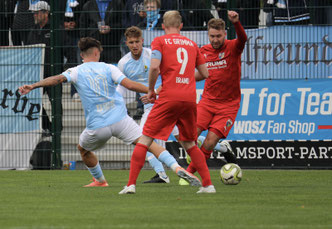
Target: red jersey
<point x="224" y="66"/>
<point x="179" y="57"/>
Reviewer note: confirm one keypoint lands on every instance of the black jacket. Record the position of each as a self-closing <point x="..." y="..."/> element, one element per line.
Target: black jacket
<point x="113" y="17"/>
<point x="39" y="35"/>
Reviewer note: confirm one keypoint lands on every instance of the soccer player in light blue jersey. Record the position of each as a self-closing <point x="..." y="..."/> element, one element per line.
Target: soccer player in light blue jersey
<point x="135" y="65"/>
<point x="104" y="109"/>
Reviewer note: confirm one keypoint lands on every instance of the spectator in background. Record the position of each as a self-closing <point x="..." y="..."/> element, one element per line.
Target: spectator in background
<point x="195" y="14"/>
<point x="40" y="34"/>
<point x="153" y="19"/>
<point x="23" y="22"/>
<point x="291" y="12"/>
<point x="133" y="13"/>
<point x="6" y="20"/>
<point x="102" y="20"/>
<point x="71" y="16"/>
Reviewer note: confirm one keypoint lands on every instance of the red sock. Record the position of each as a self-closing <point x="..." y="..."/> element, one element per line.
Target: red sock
<point x="137" y="162"/>
<point x="207" y="153"/>
<point x="191" y="168"/>
<point x="199" y="162"/>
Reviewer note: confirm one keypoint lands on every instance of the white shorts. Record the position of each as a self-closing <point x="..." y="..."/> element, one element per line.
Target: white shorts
<point x="126" y="130"/>
<point x="175" y="130"/>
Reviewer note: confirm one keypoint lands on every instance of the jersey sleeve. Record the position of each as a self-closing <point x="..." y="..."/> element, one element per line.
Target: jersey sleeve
<point x="71" y="74"/>
<point x="121" y="65"/>
<point x="116" y="74"/>
<point x="156" y="45"/>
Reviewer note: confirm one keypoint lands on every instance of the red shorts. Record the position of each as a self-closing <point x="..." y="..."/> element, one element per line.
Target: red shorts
<point x="165" y="115"/>
<point x="216" y="117"/>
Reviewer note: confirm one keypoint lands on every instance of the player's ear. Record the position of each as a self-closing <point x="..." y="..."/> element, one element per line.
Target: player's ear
<point x="163" y="26"/>
<point x="181" y="26"/>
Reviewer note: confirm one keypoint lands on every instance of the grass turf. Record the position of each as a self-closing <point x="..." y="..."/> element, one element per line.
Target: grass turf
<point x="263" y="199"/>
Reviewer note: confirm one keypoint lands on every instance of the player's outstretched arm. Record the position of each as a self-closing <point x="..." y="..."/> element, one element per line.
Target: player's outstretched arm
<point x="134" y="86"/>
<point x="241" y="34"/>
<point x="48" y="82"/>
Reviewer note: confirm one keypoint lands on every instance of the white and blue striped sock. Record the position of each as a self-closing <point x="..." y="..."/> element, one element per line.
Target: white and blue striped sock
<point x="97" y="173"/>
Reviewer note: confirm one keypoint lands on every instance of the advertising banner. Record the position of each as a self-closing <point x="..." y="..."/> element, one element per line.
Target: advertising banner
<point x="19" y="123"/>
<point x="269" y="155"/>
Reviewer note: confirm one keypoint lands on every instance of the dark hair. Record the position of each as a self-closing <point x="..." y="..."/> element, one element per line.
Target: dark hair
<point x="216" y="23"/>
<point x="133" y="31"/>
<point x="86" y="43"/>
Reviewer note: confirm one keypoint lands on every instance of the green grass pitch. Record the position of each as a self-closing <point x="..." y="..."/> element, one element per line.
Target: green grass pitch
<point x="291" y="199"/>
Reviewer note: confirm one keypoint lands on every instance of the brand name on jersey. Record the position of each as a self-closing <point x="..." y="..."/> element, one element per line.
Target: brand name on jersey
<point x="219" y="63"/>
<point x="182" y="80"/>
<point x="177" y="41"/>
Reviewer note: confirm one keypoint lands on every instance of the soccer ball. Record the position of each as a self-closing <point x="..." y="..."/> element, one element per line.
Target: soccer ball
<point x="231" y="174"/>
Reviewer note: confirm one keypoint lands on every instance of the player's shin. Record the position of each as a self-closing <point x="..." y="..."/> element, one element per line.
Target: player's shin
<point x="97" y="173"/>
<point x="168" y="160"/>
<point x="155" y="163"/>
<point x="199" y="161"/>
<point x="137" y="162"/>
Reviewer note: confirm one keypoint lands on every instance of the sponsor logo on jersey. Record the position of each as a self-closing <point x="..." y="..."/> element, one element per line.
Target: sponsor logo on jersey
<point x="217" y="64"/>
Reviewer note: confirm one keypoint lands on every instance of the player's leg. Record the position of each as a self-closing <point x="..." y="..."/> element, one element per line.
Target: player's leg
<point x="91" y="140"/>
<point x="199" y="162"/>
<point x="161" y="176"/>
<point x="164" y="156"/>
<point x="223" y="147"/>
<point x="136" y="163"/>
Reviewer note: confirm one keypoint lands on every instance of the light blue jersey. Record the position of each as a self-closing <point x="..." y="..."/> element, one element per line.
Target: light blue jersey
<point x="96" y="84"/>
<point x="138" y="70"/>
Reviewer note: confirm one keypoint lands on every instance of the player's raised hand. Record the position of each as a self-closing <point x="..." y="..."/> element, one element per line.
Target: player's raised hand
<point x="233" y="16"/>
<point x="25" y="89"/>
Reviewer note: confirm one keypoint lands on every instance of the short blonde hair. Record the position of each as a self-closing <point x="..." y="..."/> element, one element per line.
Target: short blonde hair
<point x="172" y="18"/>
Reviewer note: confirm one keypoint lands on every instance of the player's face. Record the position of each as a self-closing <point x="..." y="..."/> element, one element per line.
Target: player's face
<point x="217" y="37"/>
<point x="135" y="45"/>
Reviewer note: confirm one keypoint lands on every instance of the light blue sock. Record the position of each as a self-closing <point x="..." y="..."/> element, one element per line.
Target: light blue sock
<point x="168" y="160"/>
<point x="97" y="173"/>
<point x="155" y="163"/>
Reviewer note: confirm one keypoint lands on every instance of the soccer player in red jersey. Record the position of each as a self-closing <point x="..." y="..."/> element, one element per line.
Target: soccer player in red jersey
<point x="175" y="57"/>
<point x="217" y="110"/>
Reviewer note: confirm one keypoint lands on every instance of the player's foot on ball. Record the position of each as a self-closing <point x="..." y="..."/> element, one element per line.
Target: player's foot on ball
<point x="207" y="189"/>
<point x="229" y="155"/>
<point x="96" y="183"/>
<point x="183" y="182"/>
<point x="191" y="178"/>
<point x="131" y="189"/>
<point x="158" y="179"/>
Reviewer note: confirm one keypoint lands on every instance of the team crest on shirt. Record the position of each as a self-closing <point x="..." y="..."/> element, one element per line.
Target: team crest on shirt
<point x="221" y="55"/>
<point x="145" y="68"/>
<point x="228" y="124"/>
<point x="205" y="55"/>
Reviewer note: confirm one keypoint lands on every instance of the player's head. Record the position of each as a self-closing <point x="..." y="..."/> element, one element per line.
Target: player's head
<point x="216" y="32"/>
<point x="172" y="19"/>
<point x="134" y="41"/>
<point x="90" y="48"/>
